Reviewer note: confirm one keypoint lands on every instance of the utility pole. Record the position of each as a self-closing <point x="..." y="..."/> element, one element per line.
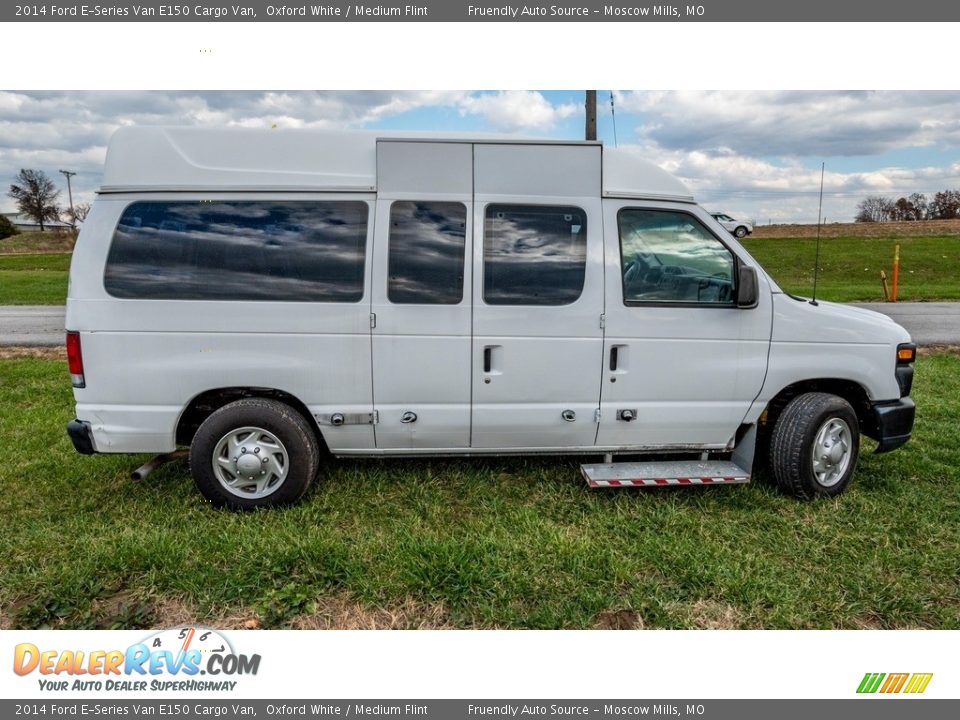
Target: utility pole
<point x="591" y="127"/>
<point x="73" y="218"/>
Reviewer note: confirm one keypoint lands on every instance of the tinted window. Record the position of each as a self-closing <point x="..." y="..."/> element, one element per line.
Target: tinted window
<point x="426" y="252"/>
<point x="670" y="257"/>
<point x="533" y="255"/>
<point x="239" y="250"/>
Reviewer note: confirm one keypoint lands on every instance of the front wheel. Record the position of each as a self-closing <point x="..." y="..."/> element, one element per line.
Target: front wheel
<point x="815" y="445"/>
<point x="254" y="453"/>
<point x="740" y="232"/>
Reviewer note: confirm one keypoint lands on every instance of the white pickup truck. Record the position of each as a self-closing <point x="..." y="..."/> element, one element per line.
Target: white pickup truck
<point x="266" y="296"/>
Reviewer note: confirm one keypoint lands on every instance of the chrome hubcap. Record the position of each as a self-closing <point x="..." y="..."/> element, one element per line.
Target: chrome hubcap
<point x="250" y="462"/>
<point x="832" y="449"/>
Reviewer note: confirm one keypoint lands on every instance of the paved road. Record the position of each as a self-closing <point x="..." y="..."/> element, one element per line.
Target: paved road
<point x="933" y="323"/>
<point x="928" y="323"/>
<point x="31" y="325"/>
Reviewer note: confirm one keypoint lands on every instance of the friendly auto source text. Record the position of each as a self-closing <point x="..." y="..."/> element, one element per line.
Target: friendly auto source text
<point x="514" y="11"/>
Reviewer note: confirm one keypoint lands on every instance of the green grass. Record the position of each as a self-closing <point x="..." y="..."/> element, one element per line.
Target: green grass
<point x="850" y="266"/>
<point x="500" y="542"/>
<point x="34" y="279"/>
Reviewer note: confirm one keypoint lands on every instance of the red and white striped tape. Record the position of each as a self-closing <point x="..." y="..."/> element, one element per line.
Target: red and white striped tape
<point x="642" y="482"/>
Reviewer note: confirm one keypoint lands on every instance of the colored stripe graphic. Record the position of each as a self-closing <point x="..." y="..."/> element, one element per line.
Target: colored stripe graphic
<point x="870" y="682"/>
<point x="894" y="683"/>
<point x="918" y="683"/>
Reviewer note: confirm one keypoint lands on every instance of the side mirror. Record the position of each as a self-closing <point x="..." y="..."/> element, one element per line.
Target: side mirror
<point x="747" y="292"/>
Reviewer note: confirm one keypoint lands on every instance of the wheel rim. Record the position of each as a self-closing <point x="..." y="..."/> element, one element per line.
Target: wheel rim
<point x="832" y="450"/>
<point x="250" y="463"/>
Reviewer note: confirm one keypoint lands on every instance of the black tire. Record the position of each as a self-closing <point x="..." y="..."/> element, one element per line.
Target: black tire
<point x="297" y="440"/>
<point x="793" y="439"/>
<point x="741" y="231"/>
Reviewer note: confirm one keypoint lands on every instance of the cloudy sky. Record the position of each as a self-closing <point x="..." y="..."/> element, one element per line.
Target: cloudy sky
<point x="751" y="154"/>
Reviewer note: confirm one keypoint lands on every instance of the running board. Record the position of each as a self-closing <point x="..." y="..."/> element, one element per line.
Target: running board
<point x="662" y="474"/>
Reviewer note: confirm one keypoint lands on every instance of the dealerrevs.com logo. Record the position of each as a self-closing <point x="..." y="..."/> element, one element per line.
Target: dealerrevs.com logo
<point x="891" y="683"/>
<point x="179" y="659"/>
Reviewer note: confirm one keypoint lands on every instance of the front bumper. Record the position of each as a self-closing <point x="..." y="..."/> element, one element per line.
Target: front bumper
<point x="893" y="423"/>
<point x="81" y="434"/>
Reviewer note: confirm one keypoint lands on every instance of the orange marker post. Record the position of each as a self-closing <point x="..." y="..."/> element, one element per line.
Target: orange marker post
<point x="896" y="273"/>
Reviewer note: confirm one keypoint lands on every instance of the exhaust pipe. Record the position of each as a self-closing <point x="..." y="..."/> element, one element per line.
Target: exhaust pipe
<point x="148" y="467"/>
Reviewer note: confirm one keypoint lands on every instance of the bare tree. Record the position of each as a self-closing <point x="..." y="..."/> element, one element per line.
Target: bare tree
<point x="80" y="212"/>
<point x="921" y="206"/>
<point x="36" y="196"/>
<point x="875" y="208"/>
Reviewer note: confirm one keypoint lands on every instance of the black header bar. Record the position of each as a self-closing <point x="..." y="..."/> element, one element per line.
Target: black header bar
<point x="479" y="11"/>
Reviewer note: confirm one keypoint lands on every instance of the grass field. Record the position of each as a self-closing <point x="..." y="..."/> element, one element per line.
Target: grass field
<point x="912" y="229"/>
<point x="849" y="269"/>
<point x="493" y="543"/>
<point x="37" y="242"/>
<point x="850" y="266"/>
<point x="34" y="279"/>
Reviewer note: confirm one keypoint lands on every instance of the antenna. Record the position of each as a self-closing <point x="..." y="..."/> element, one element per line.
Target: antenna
<point x="613" y="115"/>
<point x="816" y="265"/>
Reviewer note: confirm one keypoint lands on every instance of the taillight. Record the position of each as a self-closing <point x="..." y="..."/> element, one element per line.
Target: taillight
<point x="75" y="359"/>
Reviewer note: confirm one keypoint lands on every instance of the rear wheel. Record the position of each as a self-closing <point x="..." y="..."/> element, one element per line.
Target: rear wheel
<point x="815" y="445"/>
<point x="254" y="453"/>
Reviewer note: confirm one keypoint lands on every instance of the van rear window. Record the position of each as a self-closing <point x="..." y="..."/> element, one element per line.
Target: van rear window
<point x="239" y="250"/>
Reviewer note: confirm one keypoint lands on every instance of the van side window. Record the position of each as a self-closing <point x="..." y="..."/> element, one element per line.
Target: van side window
<point x="239" y="250"/>
<point x="534" y="254"/>
<point x="426" y="258"/>
<point x="669" y="257"/>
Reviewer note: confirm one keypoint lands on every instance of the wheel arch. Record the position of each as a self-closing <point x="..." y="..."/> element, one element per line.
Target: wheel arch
<point x="850" y="390"/>
<point x="206" y="403"/>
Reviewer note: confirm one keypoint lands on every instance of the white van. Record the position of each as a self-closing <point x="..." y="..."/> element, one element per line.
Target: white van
<point x="268" y="296"/>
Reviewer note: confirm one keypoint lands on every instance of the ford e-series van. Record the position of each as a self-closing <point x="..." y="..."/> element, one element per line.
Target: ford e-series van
<point x="268" y="296"/>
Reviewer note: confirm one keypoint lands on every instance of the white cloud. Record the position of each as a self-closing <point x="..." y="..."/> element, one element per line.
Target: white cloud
<point x="796" y="123"/>
<point x="515" y="110"/>
<point x="787" y="189"/>
<point x="756" y="153"/>
<point x="753" y="153"/>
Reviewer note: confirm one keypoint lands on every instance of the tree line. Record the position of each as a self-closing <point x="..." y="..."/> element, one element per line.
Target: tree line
<point x="944" y="205"/>
<point x="38" y="198"/>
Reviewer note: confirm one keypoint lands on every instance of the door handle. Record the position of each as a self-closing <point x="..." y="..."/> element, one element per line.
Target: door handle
<point x="619" y="359"/>
<point x="487" y="359"/>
